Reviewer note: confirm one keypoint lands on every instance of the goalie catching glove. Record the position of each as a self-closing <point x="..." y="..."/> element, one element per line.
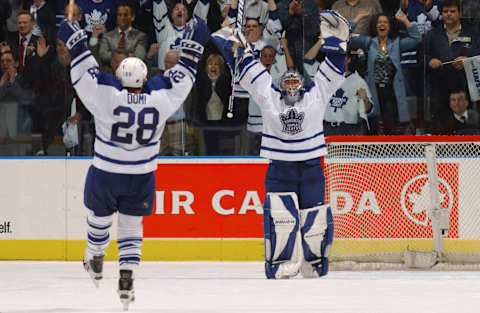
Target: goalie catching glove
<point x="195" y="36"/>
<point x="74" y="37"/>
<point x="335" y="32"/>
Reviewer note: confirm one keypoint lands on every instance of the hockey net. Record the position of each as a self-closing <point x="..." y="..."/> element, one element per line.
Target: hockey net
<point x="385" y="211"/>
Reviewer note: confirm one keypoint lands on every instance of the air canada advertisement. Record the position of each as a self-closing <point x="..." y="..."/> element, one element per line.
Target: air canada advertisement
<point x="225" y="200"/>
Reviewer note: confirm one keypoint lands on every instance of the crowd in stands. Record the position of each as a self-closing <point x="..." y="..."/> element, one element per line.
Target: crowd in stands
<point x="404" y="76"/>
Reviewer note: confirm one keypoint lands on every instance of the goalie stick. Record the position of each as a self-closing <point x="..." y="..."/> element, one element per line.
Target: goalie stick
<point x="237" y="33"/>
<point x="71" y="4"/>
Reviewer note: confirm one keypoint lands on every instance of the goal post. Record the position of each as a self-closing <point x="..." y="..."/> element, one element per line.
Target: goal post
<point x="382" y="193"/>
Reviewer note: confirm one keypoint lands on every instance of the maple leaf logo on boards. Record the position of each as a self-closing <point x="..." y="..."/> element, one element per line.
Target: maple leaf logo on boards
<point x="415" y="198"/>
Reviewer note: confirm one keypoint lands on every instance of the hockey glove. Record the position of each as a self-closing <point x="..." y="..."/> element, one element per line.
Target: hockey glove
<point x="194" y="38"/>
<point x="244" y="56"/>
<point x="73" y="36"/>
<point x="335" y="32"/>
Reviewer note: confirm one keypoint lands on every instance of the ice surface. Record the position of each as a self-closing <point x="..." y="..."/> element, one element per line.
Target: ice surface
<point x="233" y="287"/>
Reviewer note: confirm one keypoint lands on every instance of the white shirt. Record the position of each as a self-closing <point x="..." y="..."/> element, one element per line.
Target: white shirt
<point x="459" y="117"/>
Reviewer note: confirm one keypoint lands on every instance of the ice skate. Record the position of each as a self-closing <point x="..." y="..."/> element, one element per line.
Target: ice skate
<point x="94" y="268"/>
<point x="125" y="288"/>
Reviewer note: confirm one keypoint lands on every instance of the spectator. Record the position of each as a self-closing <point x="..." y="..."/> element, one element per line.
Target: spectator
<point x="175" y="139"/>
<point x="349" y="102"/>
<point x="351" y="8"/>
<point x="64" y="96"/>
<point x="47" y="114"/>
<point x="15" y="93"/>
<point x="459" y="120"/>
<point x="211" y="96"/>
<point x="44" y="18"/>
<point x="29" y="49"/>
<point x="143" y="11"/>
<point x="23" y="42"/>
<point x="258" y="37"/>
<point x="453" y="41"/>
<point x="168" y="31"/>
<point x="424" y="14"/>
<point x="98" y="12"/>
<point x="299" y="20"/>
<point x="385" y="78"/>
<point x="124" y="36"/>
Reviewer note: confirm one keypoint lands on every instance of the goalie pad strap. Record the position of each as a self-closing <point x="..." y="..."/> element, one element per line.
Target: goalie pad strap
<point x="282" y="235"/>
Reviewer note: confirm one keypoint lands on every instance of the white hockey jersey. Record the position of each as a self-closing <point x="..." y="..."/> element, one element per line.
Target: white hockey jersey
<point x="128" y="126"/>
<point x="292" y="133"/>
<point x="344" y="105"/>
<point x="168" y="36"/>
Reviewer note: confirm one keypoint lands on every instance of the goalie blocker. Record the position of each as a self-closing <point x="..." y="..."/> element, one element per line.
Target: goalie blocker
<point x="295" y="240"/>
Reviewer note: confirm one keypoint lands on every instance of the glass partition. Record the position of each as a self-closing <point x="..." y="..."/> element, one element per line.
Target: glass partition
<point x="406" y="55"/>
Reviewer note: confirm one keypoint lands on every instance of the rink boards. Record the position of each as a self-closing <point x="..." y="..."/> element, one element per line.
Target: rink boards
<point x="205" y="209"/>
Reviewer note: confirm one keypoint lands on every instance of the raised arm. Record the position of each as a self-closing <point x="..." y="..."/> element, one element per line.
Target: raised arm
<point x="201" y="9"/>
<point x="160" y="19"/>
<point x="83" y="67"/>
<point x="288" y="56"/>
<point x="255" y="78"/>
<point x="335" y="35"/>
<point x="273" y="27"/>
<point x="413" y="35"/>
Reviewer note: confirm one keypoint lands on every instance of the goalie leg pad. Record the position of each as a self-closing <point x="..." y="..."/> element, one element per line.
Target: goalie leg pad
<point x="317" y="237"/>
<point x="281" y="223"/>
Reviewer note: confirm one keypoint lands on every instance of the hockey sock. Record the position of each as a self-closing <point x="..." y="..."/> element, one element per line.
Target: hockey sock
<point x="130" y="234"/>
<point x="98" y="234"/>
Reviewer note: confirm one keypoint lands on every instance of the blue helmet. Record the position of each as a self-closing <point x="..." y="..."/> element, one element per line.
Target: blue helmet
<point x="291" y="86"/>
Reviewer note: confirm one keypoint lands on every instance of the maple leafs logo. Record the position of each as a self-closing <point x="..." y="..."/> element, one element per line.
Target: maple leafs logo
<point x="94" y="18"/>
<point x="338" y="100"/>
<point x="292" y="121"/>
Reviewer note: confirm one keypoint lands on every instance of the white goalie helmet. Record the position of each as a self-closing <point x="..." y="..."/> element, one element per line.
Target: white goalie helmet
<point x="291" y="86"/>
<point x="132" y="72"/>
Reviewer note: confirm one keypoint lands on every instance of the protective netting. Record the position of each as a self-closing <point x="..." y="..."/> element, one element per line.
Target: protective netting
<point x="380" y="198"/>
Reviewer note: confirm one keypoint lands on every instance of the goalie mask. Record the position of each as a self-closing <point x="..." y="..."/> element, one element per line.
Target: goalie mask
<point x="131" y="72"/>
<point x="291" y="85"/>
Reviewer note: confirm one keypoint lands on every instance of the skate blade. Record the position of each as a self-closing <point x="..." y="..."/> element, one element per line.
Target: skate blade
<point x="125" y="303"/>
<point x="126" y="300"/>
<point x="96" y="279"/>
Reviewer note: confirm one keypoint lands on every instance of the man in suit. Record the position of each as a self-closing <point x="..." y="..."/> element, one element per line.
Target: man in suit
<point x="23" y="42"/>
<point x="124" y="36"/>
<point x="459" y="120"/>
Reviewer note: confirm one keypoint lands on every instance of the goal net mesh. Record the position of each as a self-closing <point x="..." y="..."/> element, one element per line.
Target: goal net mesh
<point x="378" y="190"/>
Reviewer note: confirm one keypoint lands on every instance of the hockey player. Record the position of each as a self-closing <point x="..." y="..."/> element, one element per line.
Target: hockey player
<point x="298" y="226"/>
<point x="130" y="114"/>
